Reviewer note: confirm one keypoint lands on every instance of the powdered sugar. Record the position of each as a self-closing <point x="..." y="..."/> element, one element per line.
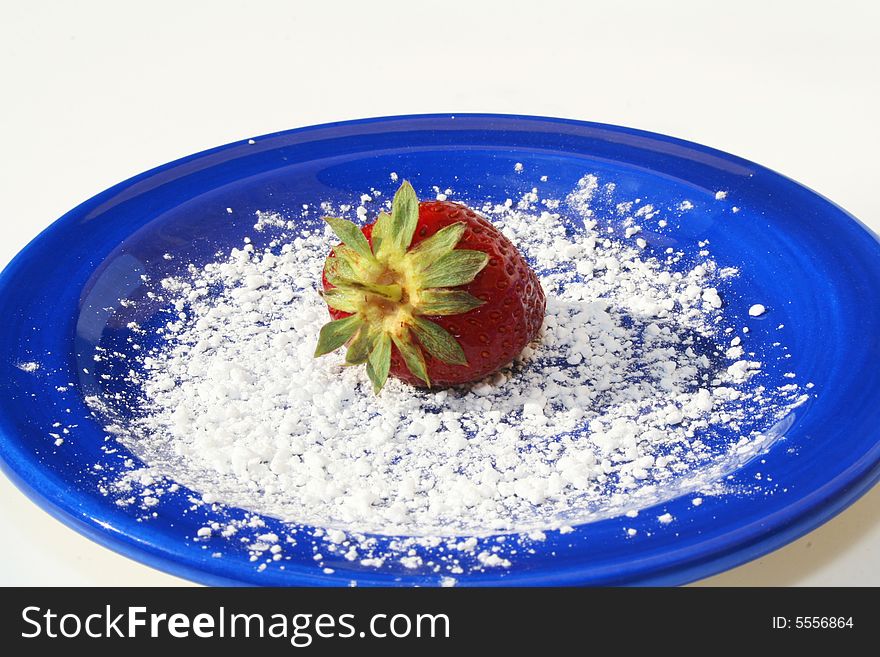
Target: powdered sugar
<point x="629" y="398"/>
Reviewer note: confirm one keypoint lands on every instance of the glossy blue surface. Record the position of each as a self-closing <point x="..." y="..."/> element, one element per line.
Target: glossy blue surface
<point x="813" y="265"/>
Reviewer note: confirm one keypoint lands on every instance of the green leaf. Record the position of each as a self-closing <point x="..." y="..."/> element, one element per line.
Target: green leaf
<point x="351" y="236"/>
<point x="404" y="217"/>
<point x="438" y="341"/>
<point x="380" y="362"/>
<point x="361" y="346"/>
<point x="336" y="333"/>
<point x="346" y="299"/>
<point x="446" y="302"/>
<point x="371" y="374"/>
<point x="412" y="356"/>
<point x="391" y="292"/>
<point x="436" y="246"/>
<point x="339" y="270"/>
<point x="362" y="268"/>
<point x="456" y="268"/>
<point x="381" y="235"/>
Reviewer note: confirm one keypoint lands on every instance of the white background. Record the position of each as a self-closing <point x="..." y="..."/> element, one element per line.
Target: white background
<point x="94" y="92"/>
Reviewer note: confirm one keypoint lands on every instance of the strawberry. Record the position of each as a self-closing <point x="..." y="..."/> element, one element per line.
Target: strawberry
<point x="431" y="293"/>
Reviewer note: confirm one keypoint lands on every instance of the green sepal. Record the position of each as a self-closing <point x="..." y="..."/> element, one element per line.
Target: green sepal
<point x="441" y="302"/>
<point x="344" y="299"/>
<point x="351" y="236"/>
<point x="370" y="374"/>
<point x="438" y="342"/>
<point x="360" y="348"/>
<point x="391" y="292"/>
<point x="336" y="333"/>
<point x="412" y="356"/>
<point x="381" y="235"/>
<point x="338" y="270"/>
<point x="379" y="362"/>
<point x="404" y="217"/>
<point x="362" y="268"/>
<point x="458" y="267"/>
<point x="438" y="245"/>
<point x="343" y="273"/>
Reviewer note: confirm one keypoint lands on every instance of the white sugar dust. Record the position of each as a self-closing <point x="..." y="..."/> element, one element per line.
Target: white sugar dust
<point x="632" y="395"/>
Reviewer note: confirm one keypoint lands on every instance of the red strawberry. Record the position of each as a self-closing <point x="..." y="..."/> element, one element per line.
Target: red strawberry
<point x="432" y="293"/>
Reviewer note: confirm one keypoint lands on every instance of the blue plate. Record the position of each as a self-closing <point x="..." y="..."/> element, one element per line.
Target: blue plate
<point x="816" y="267"/>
